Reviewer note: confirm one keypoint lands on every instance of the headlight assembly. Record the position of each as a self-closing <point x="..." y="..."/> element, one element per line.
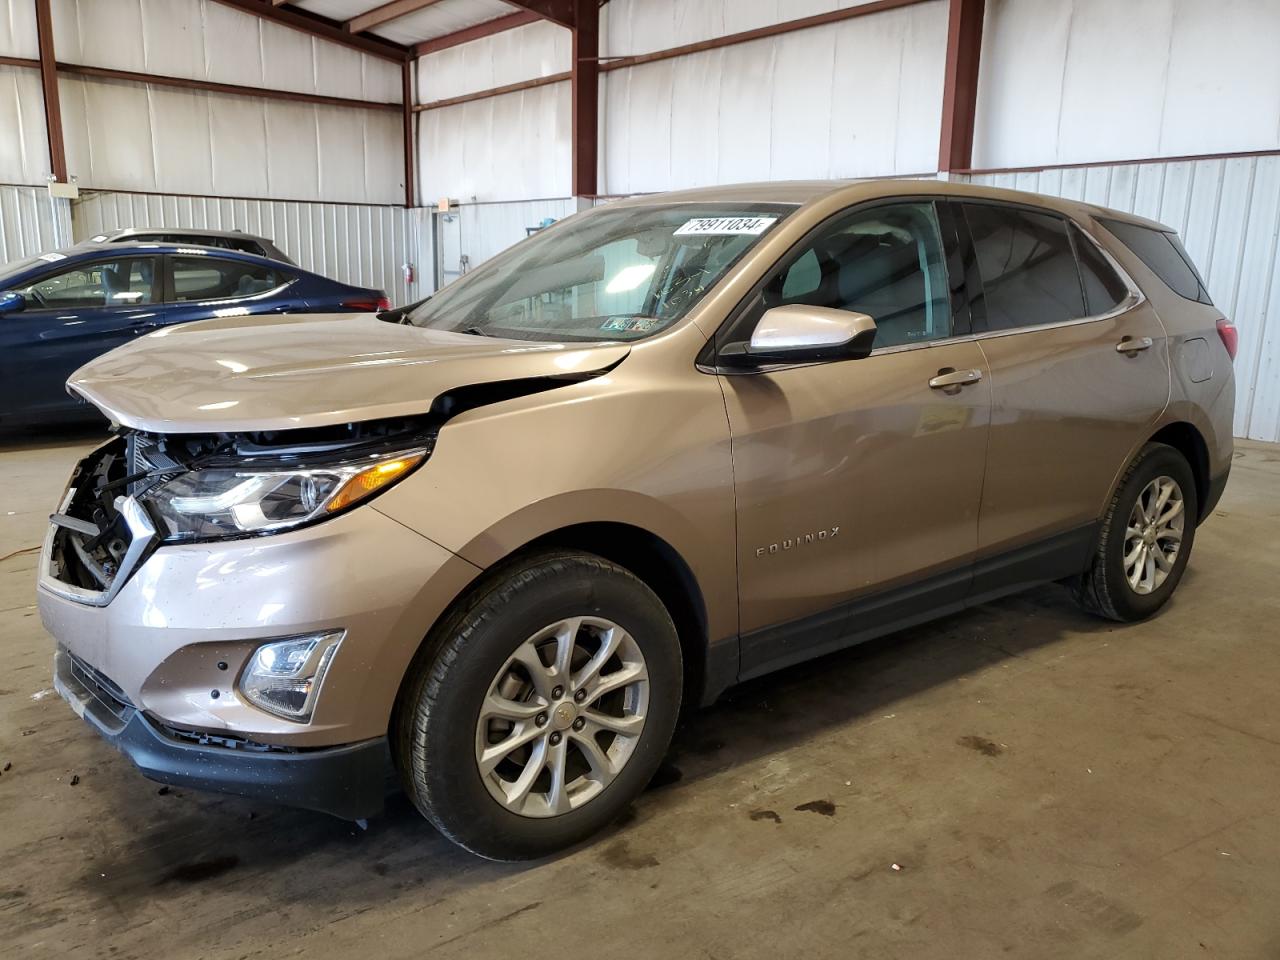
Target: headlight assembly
<point x="210" y="504"/>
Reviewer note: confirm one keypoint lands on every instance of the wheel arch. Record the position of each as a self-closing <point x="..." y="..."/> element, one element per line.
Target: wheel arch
<point x="1187" y="439"/>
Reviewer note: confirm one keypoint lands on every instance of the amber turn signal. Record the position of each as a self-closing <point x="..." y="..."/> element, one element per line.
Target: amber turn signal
<point x="370" y="481"/>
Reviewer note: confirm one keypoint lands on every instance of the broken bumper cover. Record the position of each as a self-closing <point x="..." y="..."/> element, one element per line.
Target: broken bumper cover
<point x="346" y="781"/>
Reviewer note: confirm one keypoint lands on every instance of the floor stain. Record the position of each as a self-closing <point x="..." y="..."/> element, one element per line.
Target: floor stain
<point x="765" y="815"/>
<point x="824" y="807"/>
<point x="200" y="870"/>
<point x="621" y="857"/>
<point x="988" y="748"/>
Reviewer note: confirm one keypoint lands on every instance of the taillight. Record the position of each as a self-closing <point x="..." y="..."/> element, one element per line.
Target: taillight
<point x="1230" y="336"/>
<point x="368" y="306"/>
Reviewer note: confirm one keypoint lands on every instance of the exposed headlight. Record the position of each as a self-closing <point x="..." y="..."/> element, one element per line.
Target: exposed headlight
<point x="284" y="676"/>
<point x="233" y="502"/>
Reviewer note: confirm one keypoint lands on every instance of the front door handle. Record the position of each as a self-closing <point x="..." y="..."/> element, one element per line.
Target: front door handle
<point x="1133" y="345"/>
<point x="951" y="380"/>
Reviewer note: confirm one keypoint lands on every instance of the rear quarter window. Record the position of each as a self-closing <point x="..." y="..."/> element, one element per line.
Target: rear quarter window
<point x="1164" y="256"/>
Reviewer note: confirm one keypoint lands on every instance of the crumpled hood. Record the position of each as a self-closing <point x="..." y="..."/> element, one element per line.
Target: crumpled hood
<point x="307" y="370"/>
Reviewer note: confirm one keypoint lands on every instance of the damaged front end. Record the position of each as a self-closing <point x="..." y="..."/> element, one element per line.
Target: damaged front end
<point x="141" y="490"/>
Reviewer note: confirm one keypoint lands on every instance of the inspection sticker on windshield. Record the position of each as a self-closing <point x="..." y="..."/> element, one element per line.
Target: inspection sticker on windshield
<point x="726" y="226"/>
<point x="52" y="257"/>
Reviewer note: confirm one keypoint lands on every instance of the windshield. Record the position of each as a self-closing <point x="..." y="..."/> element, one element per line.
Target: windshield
<point x="619" y="274"/>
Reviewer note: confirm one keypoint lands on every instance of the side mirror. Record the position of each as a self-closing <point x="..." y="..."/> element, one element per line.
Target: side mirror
<point x="801" y="334"/>
<point x="11" y="302"/>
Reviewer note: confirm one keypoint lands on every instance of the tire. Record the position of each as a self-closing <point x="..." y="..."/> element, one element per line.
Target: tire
<point x="480" y="654"/>
<point x="1105" y="587"/>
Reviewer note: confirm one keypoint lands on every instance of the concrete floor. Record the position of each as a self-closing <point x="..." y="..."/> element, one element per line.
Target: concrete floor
<point x="1019" y="779"/>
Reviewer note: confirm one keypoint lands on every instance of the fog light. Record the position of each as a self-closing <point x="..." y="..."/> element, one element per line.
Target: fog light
<point x="284" y="676"/>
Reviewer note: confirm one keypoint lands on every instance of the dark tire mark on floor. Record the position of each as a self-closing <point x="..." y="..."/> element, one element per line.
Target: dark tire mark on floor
<point x="200" y="870"/>
<point x="765" y="815"/>
<point x="824" y="807"/>
<point x="988" y="748"/>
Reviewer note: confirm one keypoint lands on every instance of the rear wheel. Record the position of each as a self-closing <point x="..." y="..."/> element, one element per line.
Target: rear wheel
<point x="541" y="707"/>
<point x="1145" y="539"/>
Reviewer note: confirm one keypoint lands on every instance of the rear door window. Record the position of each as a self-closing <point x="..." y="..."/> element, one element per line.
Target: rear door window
<point x="211" y="278"/>
<point x="1164" y="256"/>
<point x="1028" y="268"/>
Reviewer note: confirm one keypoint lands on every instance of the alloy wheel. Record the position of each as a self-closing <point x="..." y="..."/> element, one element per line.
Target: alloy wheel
<point x="1153" y="535"/>
<point x="562" y="717"/>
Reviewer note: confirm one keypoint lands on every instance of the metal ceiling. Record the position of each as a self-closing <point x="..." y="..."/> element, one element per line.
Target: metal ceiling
<point x="406" y="22"/>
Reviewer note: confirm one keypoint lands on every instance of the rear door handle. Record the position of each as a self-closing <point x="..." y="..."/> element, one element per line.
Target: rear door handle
<point x="1132" y="345"/>
<point x="948" y="379"/>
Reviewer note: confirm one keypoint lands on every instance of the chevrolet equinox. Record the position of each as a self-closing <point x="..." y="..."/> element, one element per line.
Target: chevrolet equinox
<point x="665" y="445"/>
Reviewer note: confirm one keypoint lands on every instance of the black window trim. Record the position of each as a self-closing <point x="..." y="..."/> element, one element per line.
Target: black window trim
<point x="1135" y="298"/>
<point x="954" y="237"/>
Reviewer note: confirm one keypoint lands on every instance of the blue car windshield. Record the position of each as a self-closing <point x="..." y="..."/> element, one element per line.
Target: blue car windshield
<point x="612" y="274"/>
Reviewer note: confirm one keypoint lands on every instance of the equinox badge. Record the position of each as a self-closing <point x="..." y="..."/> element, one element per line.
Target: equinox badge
<point x="828" y="534"/>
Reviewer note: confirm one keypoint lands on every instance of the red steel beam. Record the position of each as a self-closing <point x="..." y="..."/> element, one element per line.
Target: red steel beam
<point x="322" y="27"/>
<point x="406" y="100"/>
<point x="960" y="84"/>
<point x="584" y="95"/>
<point x="107" y="73"/>
<point x="49" y="83"/>
<point x="516" y="87"/>
<point x="760" y="33"/>
<point x="477" y="32"/>
<point x="563" y="12"/>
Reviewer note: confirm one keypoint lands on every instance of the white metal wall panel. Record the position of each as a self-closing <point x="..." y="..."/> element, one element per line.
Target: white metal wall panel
<point x="18" y="30"/>
<point x="204" y="40"/>
<point x="359" y="244"/>
<point x="132" y="136"/>
<point x="31" y="222"/>
<point x="537" y="50"/>
<point x="511" y="147"/>
<point x="861" y="97"/>
<point x="24" y="149"/>
<point x="1072" y="81"/>
<point x="1228" y="213"/>
<point x="631" y="27"/>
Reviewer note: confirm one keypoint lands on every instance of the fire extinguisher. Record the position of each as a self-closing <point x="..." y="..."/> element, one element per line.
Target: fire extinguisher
<point x="408" y="272"/>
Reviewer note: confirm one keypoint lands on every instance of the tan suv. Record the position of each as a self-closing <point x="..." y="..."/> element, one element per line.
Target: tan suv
<point x="665" y="445"/>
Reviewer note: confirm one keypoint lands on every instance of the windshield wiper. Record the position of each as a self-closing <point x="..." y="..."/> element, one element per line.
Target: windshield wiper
<point x="476" y="332"/>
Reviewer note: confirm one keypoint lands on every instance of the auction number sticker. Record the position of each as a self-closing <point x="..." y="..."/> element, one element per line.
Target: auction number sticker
<point x="726" y="226"/>
<point x="53" y="257"/>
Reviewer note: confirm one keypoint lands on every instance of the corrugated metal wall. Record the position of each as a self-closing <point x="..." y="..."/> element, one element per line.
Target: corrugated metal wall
<point x="1228" y="212"/>
<point x="134" y="136"/>
<point x="360" y="244"/>
<point x="31" y="222"/>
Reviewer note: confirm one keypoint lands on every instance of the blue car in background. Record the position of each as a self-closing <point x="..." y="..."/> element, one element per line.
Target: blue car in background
<point x="61" y="309"/>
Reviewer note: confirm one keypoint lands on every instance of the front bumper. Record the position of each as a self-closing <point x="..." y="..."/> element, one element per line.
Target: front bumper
<point x="346" y="781"/>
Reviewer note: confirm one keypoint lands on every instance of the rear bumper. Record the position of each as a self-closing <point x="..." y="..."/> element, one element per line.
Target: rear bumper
<point x="346" y="781"/>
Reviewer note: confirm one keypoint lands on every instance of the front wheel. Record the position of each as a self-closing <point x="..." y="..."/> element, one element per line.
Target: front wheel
<point x="541" y="707"/>
<point x="1145" y="538"/>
